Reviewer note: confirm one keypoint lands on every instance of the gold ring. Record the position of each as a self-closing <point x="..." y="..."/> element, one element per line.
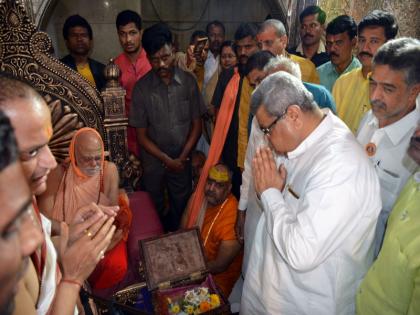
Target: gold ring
<point x="89" y="233"/>
<point x="102" y="254"/>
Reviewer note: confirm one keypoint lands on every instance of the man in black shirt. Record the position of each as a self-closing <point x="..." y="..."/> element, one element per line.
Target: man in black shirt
<point x="312" y="27"/>
<point x="166" y="110"/>
<point x="78" y="36"/>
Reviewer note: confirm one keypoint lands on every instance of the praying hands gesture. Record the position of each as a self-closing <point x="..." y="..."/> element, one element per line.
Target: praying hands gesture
<point x="265" y="173"/>
<point x="79" y="259"/>
<point x="86" y="217"/>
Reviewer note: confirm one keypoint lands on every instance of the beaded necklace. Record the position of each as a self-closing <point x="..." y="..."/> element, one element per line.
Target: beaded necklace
<point x="214" y="220"/>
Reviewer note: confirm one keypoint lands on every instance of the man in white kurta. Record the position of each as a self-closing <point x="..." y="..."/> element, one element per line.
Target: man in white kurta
<point x="385" y="130"/>
<point x="313" y="242"/>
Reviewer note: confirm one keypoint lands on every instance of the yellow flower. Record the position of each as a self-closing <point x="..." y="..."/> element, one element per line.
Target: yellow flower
<point x="175" y="309"/>
<point x="214" y="300"/>
<point x="189" y="309"/>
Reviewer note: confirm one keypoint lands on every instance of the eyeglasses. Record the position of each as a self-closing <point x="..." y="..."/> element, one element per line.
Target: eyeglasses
<point x="267" y="131"/>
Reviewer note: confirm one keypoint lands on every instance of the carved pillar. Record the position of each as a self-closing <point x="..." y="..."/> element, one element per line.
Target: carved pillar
<point x="115" y="123"/>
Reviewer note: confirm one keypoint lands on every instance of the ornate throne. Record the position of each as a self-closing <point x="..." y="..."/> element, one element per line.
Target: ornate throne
<point x="26" y="53"/>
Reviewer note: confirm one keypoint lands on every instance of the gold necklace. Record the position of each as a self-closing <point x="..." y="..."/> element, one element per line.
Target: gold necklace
<point x="214" y="220"/>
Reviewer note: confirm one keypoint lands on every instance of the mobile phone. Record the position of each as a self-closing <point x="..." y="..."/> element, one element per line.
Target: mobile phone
<point x="199" y="47"/>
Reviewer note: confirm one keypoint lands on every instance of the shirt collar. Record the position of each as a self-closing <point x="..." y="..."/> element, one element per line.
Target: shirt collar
<point x="321" y="48"/>
<point x="315" y="137"/>
<point x="400" y="129"/>
<point x="350" y="66"/>
<point x="175" y="79"/>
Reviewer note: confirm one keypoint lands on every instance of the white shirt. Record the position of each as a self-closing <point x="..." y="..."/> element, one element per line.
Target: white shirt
<point x="210" y="66"/>
<point x="391" y="161"/>
<point x="49" y="274"/>
<point x="310" y="253"/>
<point x="248" y="200"/>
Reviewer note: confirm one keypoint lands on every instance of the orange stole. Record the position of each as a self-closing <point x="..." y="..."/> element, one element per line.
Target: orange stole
<point x="219" y="136"/>
<point x="218" y="226"/>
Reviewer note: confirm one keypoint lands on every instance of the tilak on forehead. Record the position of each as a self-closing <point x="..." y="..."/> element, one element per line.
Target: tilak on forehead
<point x="218" y="175"/>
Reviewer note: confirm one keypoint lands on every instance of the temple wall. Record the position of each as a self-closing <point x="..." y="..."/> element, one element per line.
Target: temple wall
<point x="184" y="16"/>
<point x="406" y="11"/>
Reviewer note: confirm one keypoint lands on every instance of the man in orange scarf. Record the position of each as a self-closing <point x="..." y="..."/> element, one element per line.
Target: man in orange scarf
<point x="230" y="137"/>
<point x="221" y="246"/>
<point x="84" y="179"/>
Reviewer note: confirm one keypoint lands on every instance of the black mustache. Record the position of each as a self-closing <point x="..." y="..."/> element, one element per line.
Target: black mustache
<point x="308" y="35"/>
<point x="365" y="53"/>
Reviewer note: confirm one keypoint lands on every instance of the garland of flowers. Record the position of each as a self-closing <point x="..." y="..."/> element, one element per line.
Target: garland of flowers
<point x="195" y="301"/>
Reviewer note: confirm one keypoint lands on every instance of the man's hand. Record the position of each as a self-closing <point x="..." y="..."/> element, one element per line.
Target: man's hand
<point x="79" y="259"/>
<point x="86" y="217"/>
<point x="118" y="235"/>
<point x="266" y="175"/>
<point x="190" y="55"/>
<point x="174" y="165"/>
<point x="239" y="225"/>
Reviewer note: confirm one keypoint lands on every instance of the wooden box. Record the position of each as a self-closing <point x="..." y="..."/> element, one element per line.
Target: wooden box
<point x="174" y="263"/>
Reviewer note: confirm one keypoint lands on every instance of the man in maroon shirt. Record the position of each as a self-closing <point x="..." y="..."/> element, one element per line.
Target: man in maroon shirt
<point x="132" y="62"/>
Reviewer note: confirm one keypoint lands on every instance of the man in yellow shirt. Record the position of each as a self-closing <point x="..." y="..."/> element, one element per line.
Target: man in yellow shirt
<point x="78" y="36"/>
<point x="272" y="36"/>
<point x="391" y="285"/>
<point x="351" y="90"/>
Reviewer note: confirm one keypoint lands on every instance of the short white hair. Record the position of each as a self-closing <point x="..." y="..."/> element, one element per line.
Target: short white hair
<point x="276" y="24"/>
<point x="280" y="90"/>
<point x="282" y="63"/>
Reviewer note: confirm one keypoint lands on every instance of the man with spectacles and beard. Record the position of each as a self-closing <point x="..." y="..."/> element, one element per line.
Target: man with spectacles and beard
<point x="166" y="110"/>
<point x="217" y="227"/>
<point x="385" y="130"/>
<point x="351" y="90"/>
<point x="19" y="235"/>
<point x="340" y="41"/>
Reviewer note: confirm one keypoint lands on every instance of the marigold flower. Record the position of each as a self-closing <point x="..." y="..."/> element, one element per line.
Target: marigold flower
<point x="205" y="306"/>
<point x="175" y="309"/>
<point x="214" y="300"/>
<point x="189" y="309"/>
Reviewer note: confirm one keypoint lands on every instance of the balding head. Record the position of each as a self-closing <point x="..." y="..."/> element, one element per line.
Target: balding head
<point x="31" y="119"/>
<point x="272" y="37"/>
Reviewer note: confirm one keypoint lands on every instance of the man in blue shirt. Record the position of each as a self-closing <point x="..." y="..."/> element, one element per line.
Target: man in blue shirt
<point x="340" y="41"/>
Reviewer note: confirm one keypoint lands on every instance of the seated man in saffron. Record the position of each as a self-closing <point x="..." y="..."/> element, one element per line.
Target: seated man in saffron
<point x="88" y="178"/>
<point x="221" y="246"/>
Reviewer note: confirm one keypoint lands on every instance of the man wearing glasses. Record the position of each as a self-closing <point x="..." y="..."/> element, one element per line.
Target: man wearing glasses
<point x="320" y="201"/>
<point x="167" y="109"/>
<point x="272" y="36"/>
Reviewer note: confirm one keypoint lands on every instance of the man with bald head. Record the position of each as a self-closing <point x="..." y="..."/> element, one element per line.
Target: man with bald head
<point x="320" y="196"/>
<point x="221" y="246"/>
<point x="20" y="235"/>
<point x="78" y="253"/>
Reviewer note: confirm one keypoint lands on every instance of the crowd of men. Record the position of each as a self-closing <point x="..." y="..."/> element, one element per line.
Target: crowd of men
<point x="300" y="167"/>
